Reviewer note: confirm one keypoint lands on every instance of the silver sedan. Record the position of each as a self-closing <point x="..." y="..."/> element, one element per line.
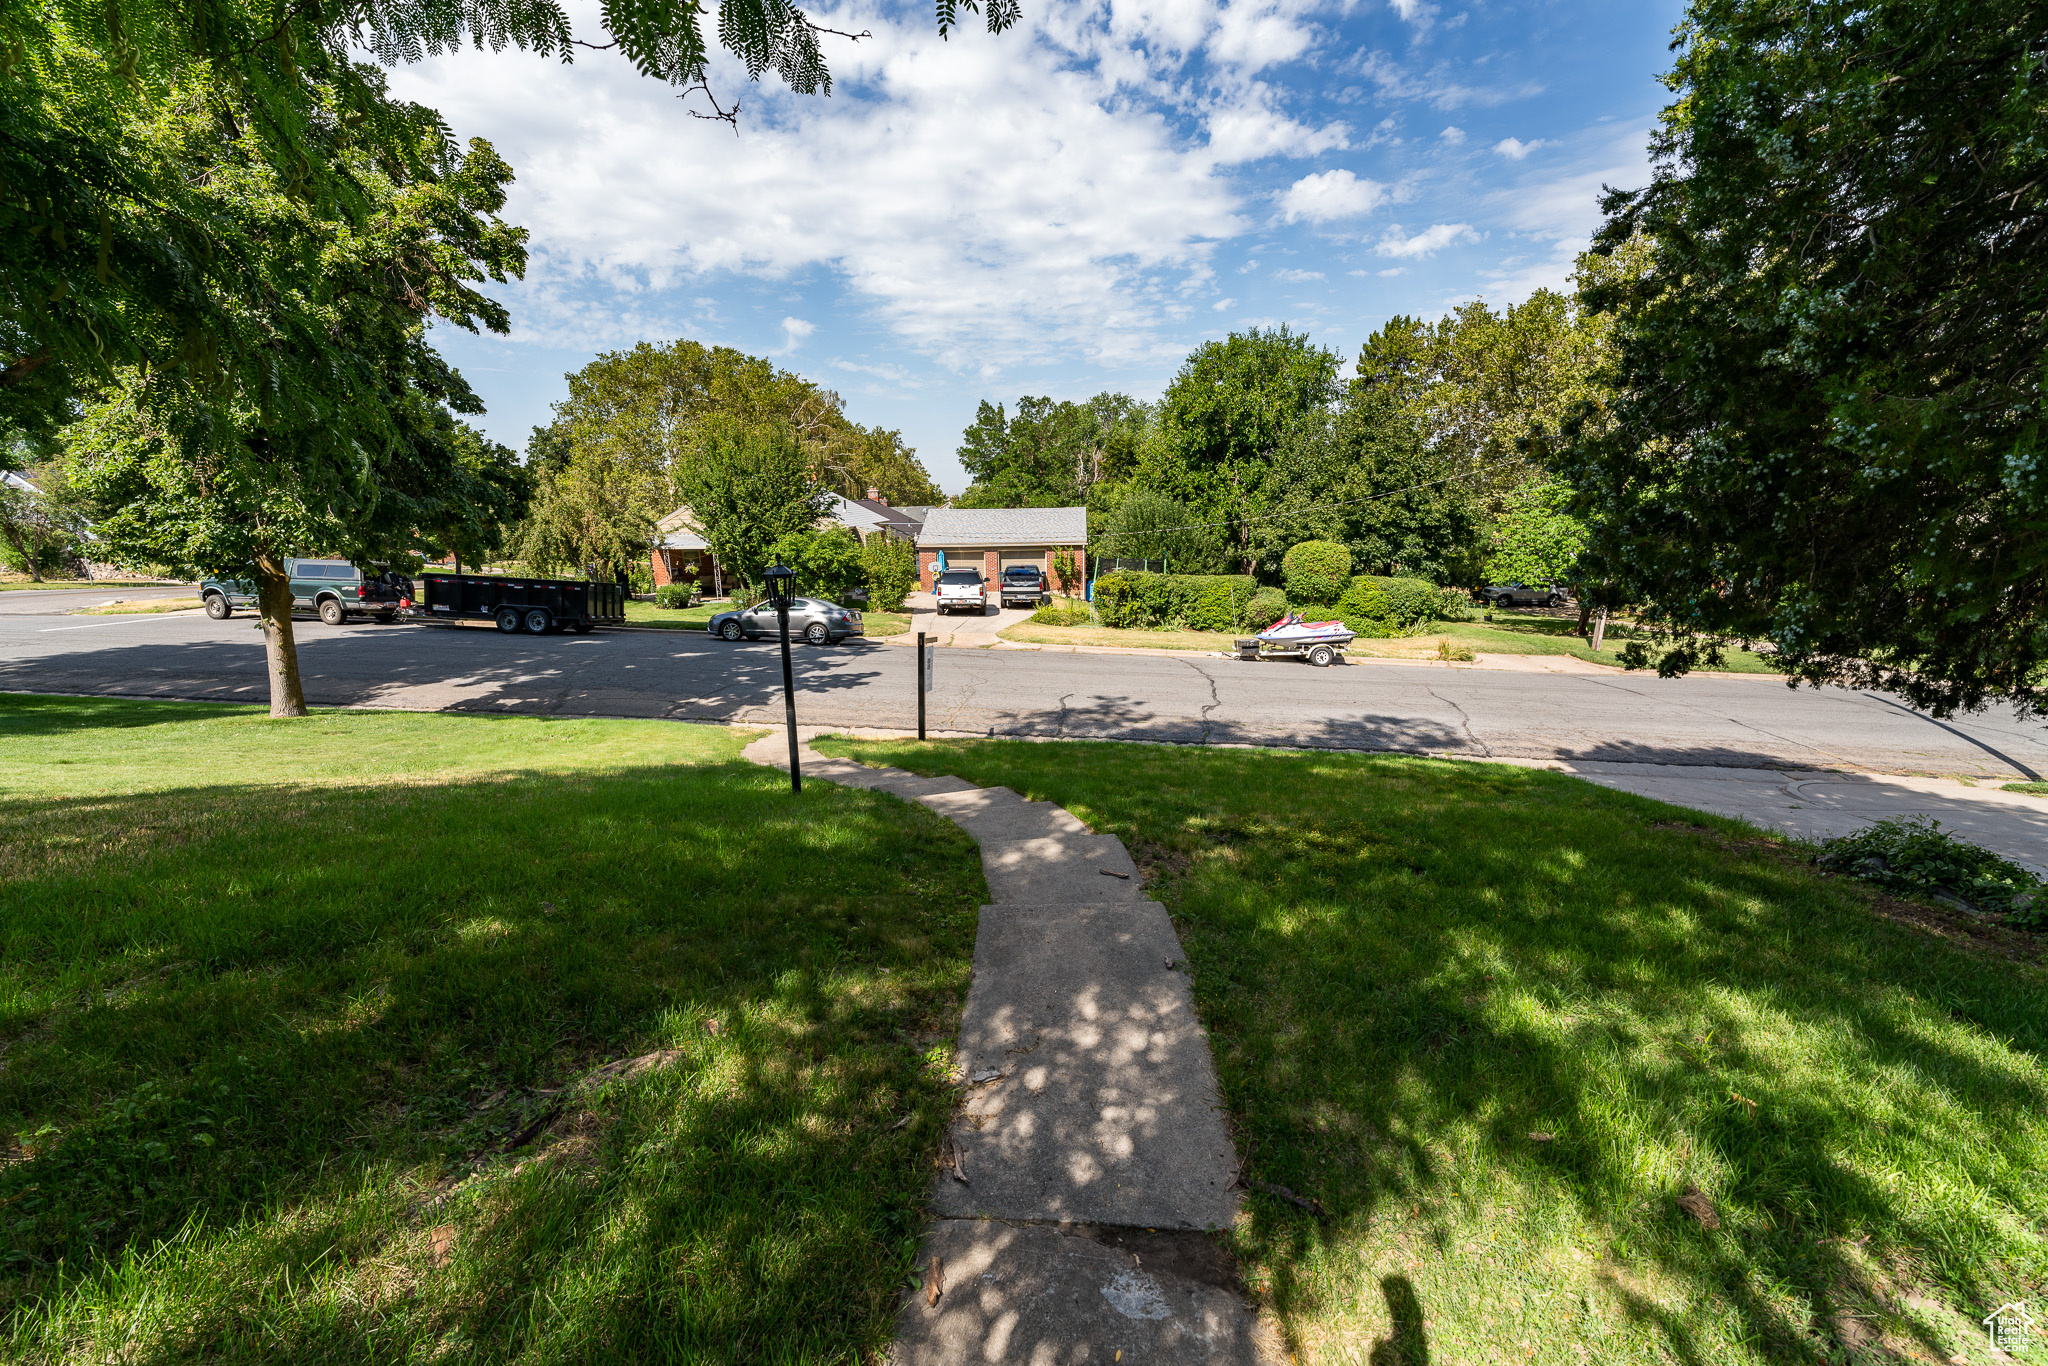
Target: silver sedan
<point x="810" y="619"/>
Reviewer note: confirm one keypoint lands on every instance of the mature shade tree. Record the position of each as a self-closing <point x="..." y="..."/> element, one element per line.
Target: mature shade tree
<point x="43" y="517"/>
<point x="1827" y="426"/>
<point x="322" y="430"/>
<point x="613" y="461"/>
<point x="749" y="489"/>
<point x="1224" y="418"/>
<point x="1480" y="384"/>
<point x="1052" y="453"/>
<point x="1146" y="525"/>
<point x="108" y="258"/>
<point x="1364" y="476"/>
<point x="1536" y="539"/>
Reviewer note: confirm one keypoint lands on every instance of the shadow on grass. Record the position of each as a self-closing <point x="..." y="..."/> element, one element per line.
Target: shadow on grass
<point x="247" y="1073"/>
<point x="1439" y="991"/>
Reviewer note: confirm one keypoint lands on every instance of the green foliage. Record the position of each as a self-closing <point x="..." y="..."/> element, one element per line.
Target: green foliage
<point x="1364" y="476"/>
<point x="1063" y="612"/>
<point x="1383" y="607"/>
<point x="828" y="562"/>
<point x="747" y="492"/>
<point x="1487" y="390"/>
<point x="612" y="461"/>
<point x="1536" y="538"/>
<point x="1052" y="452"/>
<point x="1267" y="606"/>
<point x="1223" y="421"/>
<point x="1453" y="604"/>
<point x="1916" y="856"/>
<point x="673" y="596"/>
<point x="1828" y="426"/>
<point x="43" y="526"/>
<point x="1066" y="572"/>
<point x="889" y="568"/>
<point x="1151" y="526"/>
<point x="1316" y="571"/>
<point x="1194" y="602"/>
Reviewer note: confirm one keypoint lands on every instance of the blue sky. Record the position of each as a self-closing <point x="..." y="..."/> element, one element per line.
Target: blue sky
<point x="1063" y="209"/>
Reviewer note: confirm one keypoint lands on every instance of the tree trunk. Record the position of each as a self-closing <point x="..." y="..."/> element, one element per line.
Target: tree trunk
<point x="28" y="557"/>
<point x="280" y="650"/>
<point x="1585" y="615"/>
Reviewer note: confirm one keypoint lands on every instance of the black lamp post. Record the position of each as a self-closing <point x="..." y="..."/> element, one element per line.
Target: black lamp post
<point x="781" y="588"/>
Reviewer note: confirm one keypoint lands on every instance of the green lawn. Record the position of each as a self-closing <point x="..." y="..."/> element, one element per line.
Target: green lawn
<point x="279" y="999"/>
<point x="1509" y="633"/>
<point x="696" y="618"/>
<point x="1499" y="1021"/>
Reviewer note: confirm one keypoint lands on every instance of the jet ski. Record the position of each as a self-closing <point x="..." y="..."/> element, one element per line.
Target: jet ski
<point x="1321" y="643"/>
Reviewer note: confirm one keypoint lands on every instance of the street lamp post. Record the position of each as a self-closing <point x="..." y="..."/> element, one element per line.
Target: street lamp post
<point x="781" y="584"/>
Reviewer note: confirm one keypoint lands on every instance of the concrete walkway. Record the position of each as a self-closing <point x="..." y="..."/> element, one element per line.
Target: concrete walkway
<point x="1090" y="1163"/>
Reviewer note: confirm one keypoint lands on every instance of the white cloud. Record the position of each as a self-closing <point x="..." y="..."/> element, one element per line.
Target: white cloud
<point x="987" y="199"/>
<point x="1391" y="271"/>
<point x="1329" y="195"/>
<point x="1514" y="149"/>
<point x="1222" y="304"/>
<point x="1295" y="277"/>
<point x="794" y="330"/>
<point x="1436" y="86"/>
<point x="1453" y="136"/>
<point x="1416" y="12"/>
<point x="1560" y="213"/>
<point x="1425" y="243"/>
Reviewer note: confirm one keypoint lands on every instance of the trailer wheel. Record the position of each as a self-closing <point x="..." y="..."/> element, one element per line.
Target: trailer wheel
<point x="582" y="628"/>
<point x="538" y="622"/>
<point x="331" y="613"/>
<point x="217" y="606"/>
<point x="508" y="619"/>
<point x="1322" y="656"/>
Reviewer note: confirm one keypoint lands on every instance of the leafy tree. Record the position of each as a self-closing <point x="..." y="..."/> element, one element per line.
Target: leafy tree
<point x="1052" y="452"/>
<point x="1827" y="423"/>
<point x="889" y="568"/>
<point x="827" y="561"/>
<point x="109" y="256"/>
<point x="1152" y="526"/>
<point x="1364" y="476"/>
<point x="43" y="519"/>
<point x="1224" y="419"/>
<point x="1481" y="385"/>
<point x="611" y="463"/>
<point x="749" y="489"/>
<point x="1536" y="539"/>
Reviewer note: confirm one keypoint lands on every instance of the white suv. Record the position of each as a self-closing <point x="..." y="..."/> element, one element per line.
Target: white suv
<point x="961" y="589"/>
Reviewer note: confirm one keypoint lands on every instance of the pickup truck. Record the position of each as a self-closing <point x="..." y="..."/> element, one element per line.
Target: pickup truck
<point x="335" y="589"/>
<point x="1024" y="585"/>
<point x="960" y="590"/>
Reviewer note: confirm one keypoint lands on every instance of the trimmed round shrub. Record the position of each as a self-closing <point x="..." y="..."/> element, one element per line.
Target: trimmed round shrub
<point x="1366" y="609"/>
<point x="672" y="595"/>
<point x="1267" y="606"/>
<point x="1316" y="571"/>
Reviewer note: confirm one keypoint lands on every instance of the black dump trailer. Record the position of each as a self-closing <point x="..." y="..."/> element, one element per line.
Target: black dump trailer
<point x="535" y="605"/>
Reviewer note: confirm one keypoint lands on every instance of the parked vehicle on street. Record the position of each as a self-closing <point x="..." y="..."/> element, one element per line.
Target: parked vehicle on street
<point x="1522" y="595"/>
<point x="536" y="606"/>
<point x="1321" y="643"/>
<point x="960" y="590"/>
<point x="811" y="619"/>
<point x="1024" y="585"/>
<point x="335" y="590"/>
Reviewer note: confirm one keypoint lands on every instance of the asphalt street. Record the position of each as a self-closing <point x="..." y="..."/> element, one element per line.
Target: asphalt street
<point x="43" y="601"/>
<point x="1470" y="712"/>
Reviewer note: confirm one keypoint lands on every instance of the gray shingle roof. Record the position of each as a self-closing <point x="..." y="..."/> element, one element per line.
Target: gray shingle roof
<point x="969" y="527"/>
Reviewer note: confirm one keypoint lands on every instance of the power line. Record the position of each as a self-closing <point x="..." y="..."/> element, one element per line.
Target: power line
<point x="1321" y="507"/>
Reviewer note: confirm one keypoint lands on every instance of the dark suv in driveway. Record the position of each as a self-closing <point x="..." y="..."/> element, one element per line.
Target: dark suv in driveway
<point x="335" y="589"/>
<point x="1024" y="585"/>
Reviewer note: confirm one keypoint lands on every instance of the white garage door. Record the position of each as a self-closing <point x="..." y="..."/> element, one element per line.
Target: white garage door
<point x="1034" y="558"/>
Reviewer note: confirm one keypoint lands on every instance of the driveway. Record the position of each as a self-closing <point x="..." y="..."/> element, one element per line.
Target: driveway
<point x="958" y="628"/>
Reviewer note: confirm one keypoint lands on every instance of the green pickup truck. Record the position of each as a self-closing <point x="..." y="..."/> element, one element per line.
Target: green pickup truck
<point x="335" y="589"/>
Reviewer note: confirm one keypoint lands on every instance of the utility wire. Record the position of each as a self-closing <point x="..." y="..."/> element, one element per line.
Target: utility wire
<point x="1320" y="507"/>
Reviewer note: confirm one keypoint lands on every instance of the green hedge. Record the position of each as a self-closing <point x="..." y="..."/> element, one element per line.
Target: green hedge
<point x="1316" y="571"/>
<point x="1195" y="602"/>
<point x="1378" y="607"/>
<point x="1267" y="606"/>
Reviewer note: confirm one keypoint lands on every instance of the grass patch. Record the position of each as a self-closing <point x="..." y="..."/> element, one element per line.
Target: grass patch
<point x="116" y="609"/>
<point x="293" y="1017"/>
<point x="2028" y="789"/>
<point x="1501" y="1021"/>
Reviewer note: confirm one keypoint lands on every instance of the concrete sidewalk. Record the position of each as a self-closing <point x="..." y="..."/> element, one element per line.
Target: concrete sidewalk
<point x="1090" y="1164"/>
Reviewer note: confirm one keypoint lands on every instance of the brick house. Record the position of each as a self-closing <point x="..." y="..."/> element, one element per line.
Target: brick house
<point x="991" y="539"/>
<point x="679" y="548"/>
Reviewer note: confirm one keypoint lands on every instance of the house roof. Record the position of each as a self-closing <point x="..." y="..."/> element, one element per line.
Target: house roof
<point x="949" y="527"/>
<point x="895" y="519"/>
<point x="679" y="531"/>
